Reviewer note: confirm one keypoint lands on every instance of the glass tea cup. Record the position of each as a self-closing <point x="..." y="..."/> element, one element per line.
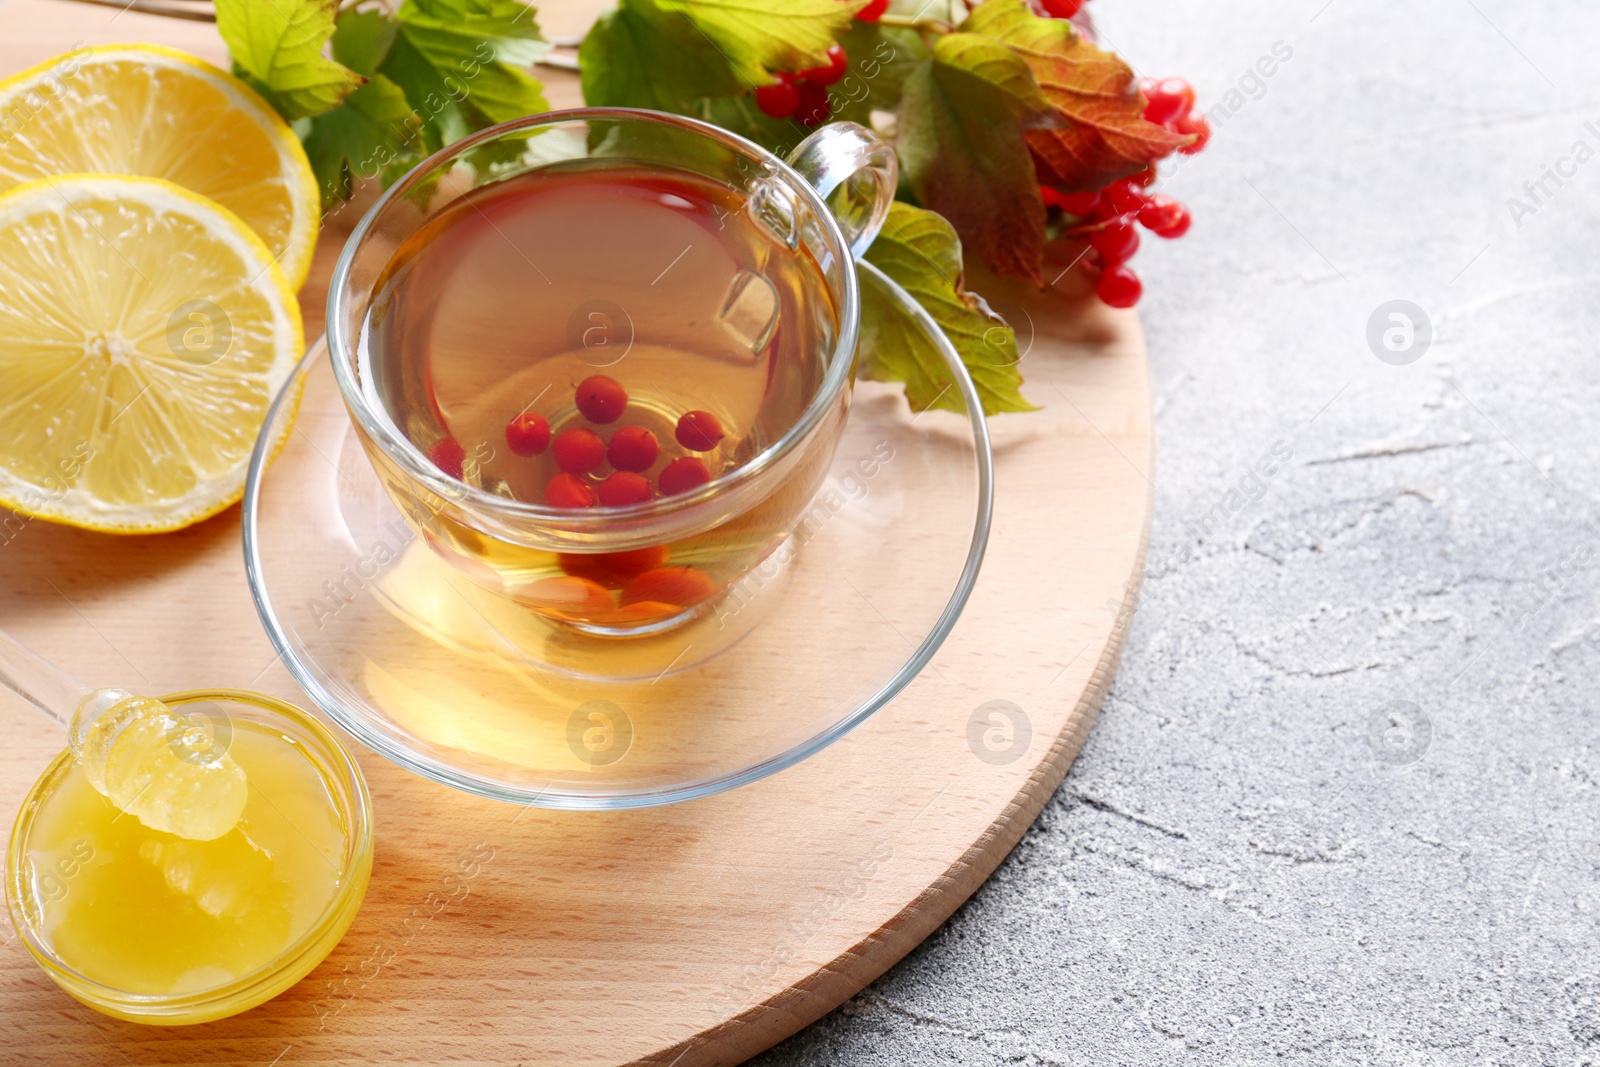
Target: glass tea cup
<point x="790" y="315"/>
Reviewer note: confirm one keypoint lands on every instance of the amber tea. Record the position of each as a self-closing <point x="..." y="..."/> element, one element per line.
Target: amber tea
<point x="602" y="336"/>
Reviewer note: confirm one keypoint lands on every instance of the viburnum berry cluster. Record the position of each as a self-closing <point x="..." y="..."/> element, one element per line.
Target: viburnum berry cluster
<point x="1106" y="218"/>
<point x="803" y="95"/>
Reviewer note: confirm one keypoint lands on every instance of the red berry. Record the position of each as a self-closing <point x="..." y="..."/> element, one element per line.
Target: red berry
<point x="568" y="491"/>
<point x="1165" y="217"/>
<point x="873" y="11"/>
<point x="613" y="568"/>
<point x="1125" y="196"/>
<point x="633" y="448"/>
<point x="623" y="488"/>
<point x="528" y="434"/>
<point x="814" y="108"/>
<point x="699" y="431"/>
<point x="683" y="475"/>
<point x="1144" y="179"/>
<point x="1082" y="204"/>
<point x="1119" y="286"/>
<point x="1062" y="9"/>
<point x="1196" y="124"/>
<point x="1116" y="243"/>
<point x="601" y="399"/>
<point x="579" y="451"/>
<point x="669" y="585"/>
<point x="780" y="98"/>
<point x="1166" y="100"/>
<point x="448" y="455"/>
<point x="838" y="63"/>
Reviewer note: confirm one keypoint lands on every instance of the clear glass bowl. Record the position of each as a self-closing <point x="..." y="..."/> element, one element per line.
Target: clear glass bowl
<point x="349" y="791"/>
<point x="469" y="689"/>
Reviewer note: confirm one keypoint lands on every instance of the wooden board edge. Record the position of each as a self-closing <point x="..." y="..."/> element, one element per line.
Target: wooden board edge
<point x="835" y="982"/>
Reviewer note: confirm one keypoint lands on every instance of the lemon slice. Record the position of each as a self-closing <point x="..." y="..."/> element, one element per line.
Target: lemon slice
<point x="160" y="113"/>
<point x="144" y="331"/>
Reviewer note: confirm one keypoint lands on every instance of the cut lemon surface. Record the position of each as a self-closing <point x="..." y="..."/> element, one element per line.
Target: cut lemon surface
<point x="161" y="113"/>
<point x="144" y="331"/>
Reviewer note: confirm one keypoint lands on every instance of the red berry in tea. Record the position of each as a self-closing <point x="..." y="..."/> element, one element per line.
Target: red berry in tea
<point x="699" y="431"/>
<point x="670" y="585"/>
<point x="601" y="398"/>
<point x="623" y="488"/>
<point x="613" y="568"/>
<point x="683" y="475"/>
<point x="579" y="450"/>
<point x="448" y="456"/>
<point x="633" y="448"/>
<point x="528" y="434"/>
<point x="643" y="611"/>
<point x="568" y="491"/>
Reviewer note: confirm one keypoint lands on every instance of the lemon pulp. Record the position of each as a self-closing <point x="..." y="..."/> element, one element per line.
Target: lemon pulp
<point x="149" y="912"/>
<point x="161" y="113"/>
<point x="144" y="331"/>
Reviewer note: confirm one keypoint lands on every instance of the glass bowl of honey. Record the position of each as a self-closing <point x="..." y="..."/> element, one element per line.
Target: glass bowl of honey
<point x="155" y="927"/>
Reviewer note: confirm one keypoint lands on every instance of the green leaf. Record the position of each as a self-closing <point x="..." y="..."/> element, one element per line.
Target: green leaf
<point x="880" y="60"/>
<point x="640" y="56"/>
<point x="360" y="138"/>
<point x="1098" y="133"/>
<point x="758" y="36"/>
<point x="921" y="252"/>
<point x="438" y="103"/>
<point x="508" y="26"/>
<point x="361" y="39"/>
<point x="277" y="47"/>
<point x="962" y="118"/>
<point x="740" y="114"/>
<point x="467" y="53"/>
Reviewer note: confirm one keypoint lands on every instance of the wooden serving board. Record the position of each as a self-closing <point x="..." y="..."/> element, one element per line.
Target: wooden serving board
<point x="695" y="934"/>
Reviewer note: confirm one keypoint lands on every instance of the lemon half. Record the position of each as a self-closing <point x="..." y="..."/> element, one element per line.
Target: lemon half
<point x="144" y="331"/>
<point x="161" y="113"/>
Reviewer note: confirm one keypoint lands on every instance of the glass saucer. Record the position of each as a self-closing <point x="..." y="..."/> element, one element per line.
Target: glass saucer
<point x="467" y="688"/>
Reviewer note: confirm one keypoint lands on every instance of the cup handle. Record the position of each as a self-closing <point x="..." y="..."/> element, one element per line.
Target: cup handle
<point x="846" y="154"/>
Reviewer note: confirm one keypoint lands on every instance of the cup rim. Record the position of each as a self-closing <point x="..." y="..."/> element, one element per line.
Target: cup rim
<point x="265" y="982"/>
<point x="399" y="448"/>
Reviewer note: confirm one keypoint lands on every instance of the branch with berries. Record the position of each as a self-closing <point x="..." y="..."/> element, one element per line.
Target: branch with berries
<point x="1013" y="128"/>
<point x="1015" y="131"/>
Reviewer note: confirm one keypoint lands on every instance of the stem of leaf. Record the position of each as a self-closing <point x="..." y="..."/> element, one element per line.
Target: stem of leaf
<point x="920" y="24"/>
<point x="194" y="13"/>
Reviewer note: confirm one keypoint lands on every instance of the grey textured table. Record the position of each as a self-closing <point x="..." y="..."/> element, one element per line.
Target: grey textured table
<point x="1341" y="805"/>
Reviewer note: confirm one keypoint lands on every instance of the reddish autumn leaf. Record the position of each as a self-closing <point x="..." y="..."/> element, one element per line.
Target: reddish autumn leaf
<point x="962" y="118"/>
<point x="1100" y="133"/>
